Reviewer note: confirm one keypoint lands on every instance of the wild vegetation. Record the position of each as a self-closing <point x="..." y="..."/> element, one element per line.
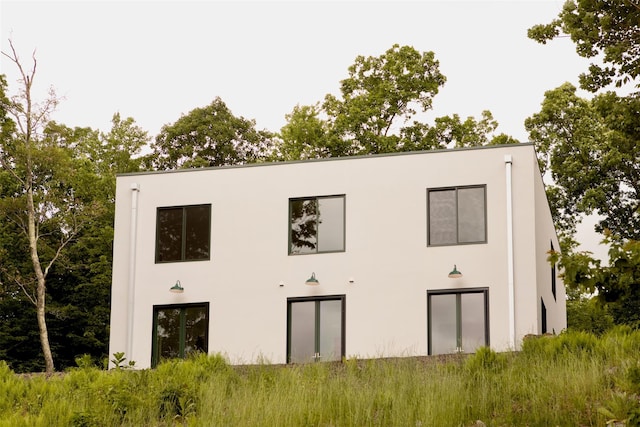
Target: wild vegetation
<point x="575" y="378"/>
<point x="57" y="183"/>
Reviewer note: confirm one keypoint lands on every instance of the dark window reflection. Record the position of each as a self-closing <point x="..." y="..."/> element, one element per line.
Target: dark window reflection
<point x="197" y="232"/>
<point x="180" y="331"/>
<point x="183" y="233"/>
<point x="169" y="234"/>
<point x="316" y="224"/>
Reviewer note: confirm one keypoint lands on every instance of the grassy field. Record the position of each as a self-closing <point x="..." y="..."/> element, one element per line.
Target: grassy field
<point x="574" y="379"/>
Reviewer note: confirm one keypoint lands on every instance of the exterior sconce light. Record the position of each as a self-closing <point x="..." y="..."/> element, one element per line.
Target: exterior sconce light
<point x="177" y="288"/>
<point x="455" y="273"/>
<point x="312" y="281"/>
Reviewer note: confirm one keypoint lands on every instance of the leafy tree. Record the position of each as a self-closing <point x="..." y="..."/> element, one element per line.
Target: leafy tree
<point x="33" y="207"/>
<point x="305" y="136"/>
<point x="615" y="287"/>
<point x="56" y="195"/>
<point x="78" y="284"/>
<point x="585" y="313"/>
<point x="210" y="136"/>
<point x="376" y="112"/>
<point x="589" y="147"/>
<point x="607" y="30"/>
<point x="379" y="93"/>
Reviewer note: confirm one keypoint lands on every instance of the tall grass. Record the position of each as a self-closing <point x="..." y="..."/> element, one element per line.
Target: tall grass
<point x="574" y="379"/>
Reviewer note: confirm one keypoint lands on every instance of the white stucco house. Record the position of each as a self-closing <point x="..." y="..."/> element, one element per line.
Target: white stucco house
<point x="344" y="257"/>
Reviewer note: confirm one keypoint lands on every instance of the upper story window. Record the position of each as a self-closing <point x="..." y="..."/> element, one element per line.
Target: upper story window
<point x="183" y="233"/>
<point x="456" y="215"/>
<point x="316" y="224"/>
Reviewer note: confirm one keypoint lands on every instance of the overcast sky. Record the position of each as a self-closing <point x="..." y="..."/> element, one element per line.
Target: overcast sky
<point x="157" y="60"/>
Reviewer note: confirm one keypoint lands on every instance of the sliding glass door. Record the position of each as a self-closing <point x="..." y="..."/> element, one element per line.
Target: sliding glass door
<point x="458" y="320"/>
<point x="315" y="330"/>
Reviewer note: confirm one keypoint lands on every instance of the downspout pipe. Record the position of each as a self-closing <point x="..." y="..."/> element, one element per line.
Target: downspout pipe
<point x="133" y="230"/>
<point x="508" y="161"/>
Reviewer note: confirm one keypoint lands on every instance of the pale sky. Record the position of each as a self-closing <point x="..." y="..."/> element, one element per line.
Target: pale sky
<point x="157" y="60"/>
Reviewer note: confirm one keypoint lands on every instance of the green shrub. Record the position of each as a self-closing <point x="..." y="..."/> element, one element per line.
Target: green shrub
<point x="570" y="379"/>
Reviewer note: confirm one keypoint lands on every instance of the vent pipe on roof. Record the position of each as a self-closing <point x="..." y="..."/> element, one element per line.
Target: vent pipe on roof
<point x="133" y="230"/>
<point x="508" y="160"/>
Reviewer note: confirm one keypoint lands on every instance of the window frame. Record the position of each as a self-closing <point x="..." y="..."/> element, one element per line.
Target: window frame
<point x="543" y="317"/>
<point x="155" y="358"/>
<point x="183" y="243"/>
<point x="458" y="293"/>
<point x="317" y="299"/>
<point x="316" y="199"/>
<point x="553" y="276"/>
<point x="456" y="189"/>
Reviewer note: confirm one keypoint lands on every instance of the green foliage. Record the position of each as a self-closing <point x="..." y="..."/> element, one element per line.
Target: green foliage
<point x="379" y="92"/>
<point x="305" y="136"/>
<point x="590" y="147"/>
<point x="119" y="361"/>
<point x="574" y="378"/>
<point x="377" y="110"/>
<point x="485" y="360"/>
<point x="209" y="136"/>
<point x="587" y="314"/>
<point x="607" y="30"/>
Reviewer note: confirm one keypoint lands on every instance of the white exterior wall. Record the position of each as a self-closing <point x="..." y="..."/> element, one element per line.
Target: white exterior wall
<point x="545" y="235"/>
<point x="386" y="251"/>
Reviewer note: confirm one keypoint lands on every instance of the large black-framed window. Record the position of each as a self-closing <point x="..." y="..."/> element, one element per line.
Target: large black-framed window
<point x="316" y="329"/>
<point x="316" y="224"/>
<point x="179" y="330"/>
<point x="456" y="215"/>
<point x="457" y="320"/>
<point x="183" y="233"/>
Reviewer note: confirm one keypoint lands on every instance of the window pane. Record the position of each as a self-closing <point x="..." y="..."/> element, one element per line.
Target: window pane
<point x="168" y="333"/>
<point x="471" y="223"/>
<point x="330" y="330"/>
<point x="303" y="332"/>
<point x="195" y="330"/>
<point x="169" y="239"/>
<point x="472" y="310"/>
<point x="197" y="232"/>
<point x="331" y="224"/>
<point x="443" y="324"/>
<point x="442" y="217"/>
<point x="303" y="221"/>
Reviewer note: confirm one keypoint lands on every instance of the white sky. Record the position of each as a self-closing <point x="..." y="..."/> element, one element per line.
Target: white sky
<point x="157" y="60"/>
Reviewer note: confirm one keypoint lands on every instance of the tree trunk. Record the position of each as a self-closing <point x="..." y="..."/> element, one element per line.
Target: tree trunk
<point x="41" y="281"/>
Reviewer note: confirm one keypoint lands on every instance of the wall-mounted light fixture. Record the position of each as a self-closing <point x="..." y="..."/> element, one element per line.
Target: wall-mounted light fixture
<point x="455" y="273"/>
<point x="177" y="288"/>
<point x="312" y="281"/>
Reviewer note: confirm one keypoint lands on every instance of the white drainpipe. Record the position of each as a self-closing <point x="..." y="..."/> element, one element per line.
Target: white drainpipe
<point x="508" y="160"/>
<point x="135" y="189"/>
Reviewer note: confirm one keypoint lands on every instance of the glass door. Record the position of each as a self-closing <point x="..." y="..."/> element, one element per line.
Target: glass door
<point x="458" y="320"/>
<point x="179" y="330"/>
<point x="315" y="329"/>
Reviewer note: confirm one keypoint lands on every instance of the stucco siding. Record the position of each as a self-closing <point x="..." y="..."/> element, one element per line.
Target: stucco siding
<point x="250" y="273"/>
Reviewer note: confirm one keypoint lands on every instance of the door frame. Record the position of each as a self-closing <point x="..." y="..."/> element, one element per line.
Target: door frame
<point x="458" y="293"/>
<point x="318" y="299"/>
<point x="155" y="358"/>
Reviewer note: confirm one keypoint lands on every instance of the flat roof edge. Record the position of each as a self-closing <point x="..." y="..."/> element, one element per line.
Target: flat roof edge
<point x="327" y="159"/>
